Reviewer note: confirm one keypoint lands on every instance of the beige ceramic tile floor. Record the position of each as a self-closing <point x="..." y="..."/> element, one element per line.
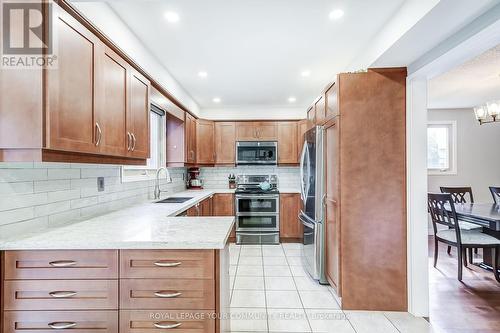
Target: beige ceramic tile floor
<point x="271" y="292"/>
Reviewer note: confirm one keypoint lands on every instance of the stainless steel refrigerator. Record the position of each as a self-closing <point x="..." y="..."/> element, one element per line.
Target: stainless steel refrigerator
<point x="313" y="209"/>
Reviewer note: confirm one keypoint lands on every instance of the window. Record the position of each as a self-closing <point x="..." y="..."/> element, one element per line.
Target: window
<point x="441" y="147"/>
<point x="157" y="150"/>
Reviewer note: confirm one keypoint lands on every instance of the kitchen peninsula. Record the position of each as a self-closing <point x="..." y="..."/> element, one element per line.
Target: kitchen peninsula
<point x="131" y="270"/>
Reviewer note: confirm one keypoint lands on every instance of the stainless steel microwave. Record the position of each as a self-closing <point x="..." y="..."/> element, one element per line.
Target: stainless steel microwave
<point x="256" y="153"/>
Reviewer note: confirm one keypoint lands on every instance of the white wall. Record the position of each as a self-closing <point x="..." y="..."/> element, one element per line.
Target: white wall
<point x="254" y="112"/>
<point x="106" y="20"/>
<point x="478" y="154"/>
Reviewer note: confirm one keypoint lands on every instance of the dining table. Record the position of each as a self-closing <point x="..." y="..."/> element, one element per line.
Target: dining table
<point x="486" y="215"/>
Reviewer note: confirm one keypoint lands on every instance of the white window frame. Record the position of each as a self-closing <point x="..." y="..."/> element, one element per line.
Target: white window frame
<point x="134" y="173"/>
<point x="452" y="170"/>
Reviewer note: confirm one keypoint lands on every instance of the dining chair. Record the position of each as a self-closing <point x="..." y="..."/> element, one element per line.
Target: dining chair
<point x="495" y="192"/>
<point x="454" y="236"/>
<point x="459" y="195"/>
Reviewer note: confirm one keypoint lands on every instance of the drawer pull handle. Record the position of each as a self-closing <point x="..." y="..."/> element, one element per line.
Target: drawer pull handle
<point x="62" y="294"/>
<point x="62" y="325"/>
<point x="167" y="264"/>
<point x="167" y="294"/>
<point x="166" y="326"/>
<point x="62" y="263"/>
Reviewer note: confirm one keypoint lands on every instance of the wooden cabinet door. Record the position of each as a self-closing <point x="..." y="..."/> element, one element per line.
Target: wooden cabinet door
<point x="287" y="142"/>
<point x="111" y="114"/>
<point x="138" y="114"/>
<point x="246" y="131"/>
<point x="332" y="192"/>
<point x="225" y="142"/>
<point x="223" y="205"/>
<point x="320" y="111"/>
<point x="267" y="130"/>
<point x="190" y="138"/>
<point x="290" y="226"/>
<point x="205" y="152"/>
<point x="206" y="207"/>
<point x="332" y="106"/>
<point x="311" y="117"/>
<point x="194" y="211"/>
<point x="70" y="88"/>
<point x="301" y="129"/>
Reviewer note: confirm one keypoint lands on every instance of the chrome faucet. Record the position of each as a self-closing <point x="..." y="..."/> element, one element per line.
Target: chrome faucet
<point x="157" y="183"/>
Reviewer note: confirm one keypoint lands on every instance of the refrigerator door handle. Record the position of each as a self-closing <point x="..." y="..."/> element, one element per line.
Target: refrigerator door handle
<point x="302" y="161"/>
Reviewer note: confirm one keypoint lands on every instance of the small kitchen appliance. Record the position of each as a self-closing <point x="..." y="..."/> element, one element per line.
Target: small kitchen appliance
<point x="257" y="209"/>
<point x="194" y="181"/>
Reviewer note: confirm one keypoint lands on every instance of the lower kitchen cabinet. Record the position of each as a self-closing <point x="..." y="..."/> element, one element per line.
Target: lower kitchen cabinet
<point x="203" y="208"/>
<point x="290" y="226"/>
<point x="156" y="290"/>
<point x="223" y="205"/>
<point x="50" y="321"/>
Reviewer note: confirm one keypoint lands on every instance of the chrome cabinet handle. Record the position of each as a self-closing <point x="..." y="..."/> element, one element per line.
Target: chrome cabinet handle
<point x="99" y="132"/>
<point x="62" y="294"/>
<point x="62" y="263"/>
<point x="62" y="325"/>
<point x="165" y="326"/>
<point x="167" y="264"/>
<point x="134" y="141"/>
<point x="129" y="141"/>
<point x="166" y="294"/>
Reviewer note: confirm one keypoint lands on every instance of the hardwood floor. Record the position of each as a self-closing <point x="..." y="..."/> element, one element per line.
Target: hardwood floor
<point x="472" y="305"/>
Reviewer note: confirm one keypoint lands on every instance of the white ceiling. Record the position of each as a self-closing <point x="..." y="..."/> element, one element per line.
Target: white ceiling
<point x="473" y="83"/>
<point x="254" y="51"/>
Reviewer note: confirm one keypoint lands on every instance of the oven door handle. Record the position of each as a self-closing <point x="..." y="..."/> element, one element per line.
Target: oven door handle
<point x="272" y="196"/>
<point x="256" y="233"/>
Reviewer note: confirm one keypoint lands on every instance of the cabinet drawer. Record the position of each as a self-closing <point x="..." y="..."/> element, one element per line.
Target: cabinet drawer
<point x="76" y="321"/>
<point x="61" y="295"/>
<point x="159" y="264"/>
<point x="155" y="320"/>
<point x="167" y="294"/>
<point x="75" y="264"/>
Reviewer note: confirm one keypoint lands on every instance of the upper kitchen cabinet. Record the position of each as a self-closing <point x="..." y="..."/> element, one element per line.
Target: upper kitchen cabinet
<point x="287" y="142"/>
<point x="225" y="137"/>
<point x="190" y="138"/>
<point x="92" y="107"/>
<point x="73" y="88"/>
<point x="111" y="116"/>
<point x="256" y="131"/>
<point x="311" y="117"/>
<point x="320" y="110"/>
<point x="205" y="153"/>
<point x="332" y="105"/>
<point x="138" y="115"/>
<point x="301" y="130"/>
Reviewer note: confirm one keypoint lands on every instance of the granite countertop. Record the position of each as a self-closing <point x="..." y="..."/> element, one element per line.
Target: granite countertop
<point x="144" y="226"/>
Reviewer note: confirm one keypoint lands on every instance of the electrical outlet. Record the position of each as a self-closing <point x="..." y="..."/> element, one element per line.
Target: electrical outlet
<point x="100" y="184"/>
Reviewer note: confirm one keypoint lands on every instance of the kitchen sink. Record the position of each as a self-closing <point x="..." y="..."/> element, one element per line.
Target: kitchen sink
<point x="175" y="200"/>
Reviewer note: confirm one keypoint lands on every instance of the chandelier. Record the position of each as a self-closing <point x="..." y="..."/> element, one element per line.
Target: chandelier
<point x="488" y="113"/>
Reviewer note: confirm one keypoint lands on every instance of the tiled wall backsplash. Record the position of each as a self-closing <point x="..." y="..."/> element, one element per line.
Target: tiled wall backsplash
<point x="34" y="196"/>
<point x="288" y="177"/>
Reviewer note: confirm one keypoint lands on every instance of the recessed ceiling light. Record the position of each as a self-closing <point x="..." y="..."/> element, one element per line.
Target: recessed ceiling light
<point x="292" y="99"/>
<point x="202" y="74"/>
<point x="172" y="17"/>
<point x="336" y="14"/>
<point x="305" y="73"/>
<point x="216" y="100"/>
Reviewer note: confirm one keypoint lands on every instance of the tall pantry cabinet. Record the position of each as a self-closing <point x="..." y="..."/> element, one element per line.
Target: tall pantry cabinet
<point x="365" y="201"/>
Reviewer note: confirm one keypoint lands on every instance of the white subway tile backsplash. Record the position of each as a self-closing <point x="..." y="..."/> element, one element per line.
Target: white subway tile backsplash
<point x="63" y="173"/>
<point x="22" y="175"/>
<point x="16" y="215"/>
<point x="52" y="185"/>
<point x="37" y="195"/>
